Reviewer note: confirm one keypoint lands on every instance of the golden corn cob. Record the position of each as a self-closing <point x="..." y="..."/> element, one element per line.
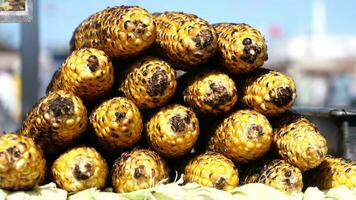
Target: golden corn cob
<point x="22" y="164"/>
<point x="173" y="130"/>
<point x="117" y="123"/>
<point x="184" y="39"/>
<point x="278" y="174"/>
<point x="334" y="172"/>
<point x="56" y="121"/>
<point x="87" y="73"/>
<point x="12" y="5"/>
<point x="80" y="168"/>
<point x="138" y="169"/>
<point x="119" y="31"/>
<point x="244" y="136"/>
<point x="213" y="170"/>
<point x="241" y="48"/>
<point x="150" y="83"/>
<point x="210" y="92"/>
<point x="268" y="92"/>
<point x="299" y="141"/>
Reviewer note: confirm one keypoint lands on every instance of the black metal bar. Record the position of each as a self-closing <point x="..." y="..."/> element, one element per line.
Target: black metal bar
<point x="345" y="140"/>
<point x="29" y="61"/>
<point x="313" y="111"/>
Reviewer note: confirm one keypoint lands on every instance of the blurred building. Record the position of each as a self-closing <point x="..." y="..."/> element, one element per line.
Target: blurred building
<point x="323" y="65"/>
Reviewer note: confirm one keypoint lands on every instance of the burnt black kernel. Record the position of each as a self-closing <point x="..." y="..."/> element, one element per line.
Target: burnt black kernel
<point x="187" y="118"/>
<point x="288" y="173"/>
<point x="179" y="123"/>
<point x="246" y="41"/>
<point x="120" y="115"/>
<point x="83" y="174"/>
<point x="157" y="83"/>
<point x="144" y="73"/>
<point x="257" y="49"/>
<point x="139" y="172"/>
<point x="348" y="170"/>
<point x="14" y="152"/>
<point x="203" y="39"/>
<point x="139" y="26"/>
<point x="61" y="106"/>
<point x="284" y="96"/>
<point x="126" y="24"/>
<point x="248" y="55"/>
<point x="220" y="183"/>
<point x="217" y="96"/>
<point x="254" y="131"/>
<point x="93" y="63"/>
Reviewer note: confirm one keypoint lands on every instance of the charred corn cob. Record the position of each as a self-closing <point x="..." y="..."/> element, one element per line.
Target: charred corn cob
<point x="334" y="172"/>
<point x="184" y="39"/>
<point x="119" y="31"/>
<point x="213" y="170"/>
<point x="278" y="174"/>
<point x="150" y="83"/>
<point x="56" y="121"/>
<point x="80" y="168"/>
<point x="241" y="48"/>
<point x="299" y="141"/>
<point x="173" y="130"/>
<point x="117" y="123"/>
<point x="22" y="165"/>
<point x="88" y="73"/>
<point x="138" y="169"/>
<point x="244" y="136"/>
<point x="210" y="92"/>
<point x="268" y="92"/>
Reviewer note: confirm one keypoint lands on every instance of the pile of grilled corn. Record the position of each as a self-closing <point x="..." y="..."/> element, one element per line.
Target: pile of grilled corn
<point x="117" y="114"/>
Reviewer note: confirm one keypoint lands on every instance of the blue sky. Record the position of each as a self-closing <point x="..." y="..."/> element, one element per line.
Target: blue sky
<point x="58" y="18"/>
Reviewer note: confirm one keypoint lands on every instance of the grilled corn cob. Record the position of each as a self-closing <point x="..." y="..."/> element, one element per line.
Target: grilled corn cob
<point x="22" y="165"/>
<point x="210" y="92"/>
<point x="268" y="92"/>
<point x="80" y="168"/>
<point x="184" y="39"/>
<point x="88" y="73"/>
<point x="244" y="136"/>
<point x="150" y="83"/>
<point x="299" y="141"/>
<point x="12" y="5"/>
<point x="173" y="130"/>
<point x="138" y="169"/>
<point x="56" y="121"/>
<point x="117" y="123"/>
<point x="119" y="31"/>
<point x="278" y="174"/>
<point x="213" y="170"/>
<point x="241" y="48"/>
<point x="334" y="172"/>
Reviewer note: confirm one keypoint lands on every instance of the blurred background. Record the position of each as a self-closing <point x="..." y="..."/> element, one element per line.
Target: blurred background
<point x="312" y="40"/>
